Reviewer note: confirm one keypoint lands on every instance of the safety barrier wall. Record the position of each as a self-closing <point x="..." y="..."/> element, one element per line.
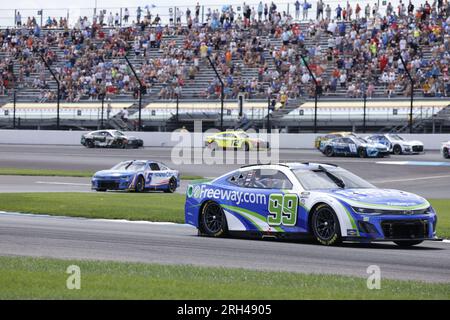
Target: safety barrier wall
<point x="167" y="139"/>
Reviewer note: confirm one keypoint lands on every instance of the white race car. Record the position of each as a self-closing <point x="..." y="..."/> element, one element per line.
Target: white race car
<point x="445" y="149"/>
<point x="397" y="144"/>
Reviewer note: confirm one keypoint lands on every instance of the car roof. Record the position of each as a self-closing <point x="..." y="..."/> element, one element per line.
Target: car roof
<point x="230" y="131"/>
<point x="294" y="165"/>
<point x="147" y="161"/>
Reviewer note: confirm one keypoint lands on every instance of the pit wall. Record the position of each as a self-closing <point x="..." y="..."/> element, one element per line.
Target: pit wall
<point x="168" y="139"/>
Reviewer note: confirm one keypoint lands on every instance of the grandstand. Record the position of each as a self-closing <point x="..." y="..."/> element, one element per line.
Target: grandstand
<point x="348" y="62"/>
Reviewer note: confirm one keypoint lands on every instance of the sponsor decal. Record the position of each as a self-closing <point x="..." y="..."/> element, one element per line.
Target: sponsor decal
<point x="238" y="197"/>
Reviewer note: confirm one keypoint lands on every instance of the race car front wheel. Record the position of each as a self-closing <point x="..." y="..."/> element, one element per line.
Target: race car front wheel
<point x="446" y="153"/>
<point x="89" y="143"/>
<point x="397" y="149"/>
<point x="325" y="225"/>
<point x="408" y="243"/>
<point x="140" y="184"/>
<point x="212" y="220"/>
<point x="172" y="186"/>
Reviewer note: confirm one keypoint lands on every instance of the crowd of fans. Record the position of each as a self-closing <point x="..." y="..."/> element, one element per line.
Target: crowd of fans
<point x="259" y="51"/>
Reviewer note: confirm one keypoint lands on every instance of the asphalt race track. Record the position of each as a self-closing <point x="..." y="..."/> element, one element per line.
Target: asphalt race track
<point x="75" y="238"/>
<point x="428" y="181"/>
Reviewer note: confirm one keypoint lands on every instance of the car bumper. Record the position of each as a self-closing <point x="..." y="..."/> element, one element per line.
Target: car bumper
<point x="112" y="184"/>
<point x="135" y="143"/>
<point x="413" y="149"/>
<point x="394" y="227"/>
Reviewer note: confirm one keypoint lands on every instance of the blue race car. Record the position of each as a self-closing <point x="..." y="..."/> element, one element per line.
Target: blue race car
<point x="138" y="176"/>
<point x="353" y="146"/>
<point x="298" y="200"/>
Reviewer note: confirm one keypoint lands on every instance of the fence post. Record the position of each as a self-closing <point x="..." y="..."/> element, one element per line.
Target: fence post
<point x="103" y="108"/>
<point x="58" y="89"/>
<point x="269" y="129"/>
<point x="364" y="119"/>
<point x="412" y="92"/>
<point x="221" y="91"/>
<point x="141" y="91"/>
<point x="14" y="109"/>
<point x="315" y="91"/>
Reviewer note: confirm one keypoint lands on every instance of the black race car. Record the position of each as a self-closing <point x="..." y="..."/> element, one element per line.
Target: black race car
<point x="110" y="139"/>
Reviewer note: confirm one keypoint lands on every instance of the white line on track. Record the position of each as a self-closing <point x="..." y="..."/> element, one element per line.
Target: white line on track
<point x="62" y="183"/>
<point x="113" y="220"/>
<point x="96" y="220"/>
<point x="412" y="179"/>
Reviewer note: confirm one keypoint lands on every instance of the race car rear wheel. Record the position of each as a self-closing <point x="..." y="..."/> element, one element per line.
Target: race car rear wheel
<point x="100" y="190"/>
<point x="408" y="243"/>
<point x="446" y="153"/>
<point x="140" y="184"/>
<point x="397" y="149"/>
<point x="325" y="225"/>
<point x="212" y="220"/>
<point x="362" y="153"/>
<point x="328" y="151"/>
<point x="172" y="186"/>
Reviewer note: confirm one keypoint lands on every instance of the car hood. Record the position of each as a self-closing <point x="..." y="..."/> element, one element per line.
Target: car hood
<point x="131" y="138"/>
<point x="374" y="145"/>
<point x="113" y="173"/>
<point x="408" y="143"/>
<point x="379" y="198"/>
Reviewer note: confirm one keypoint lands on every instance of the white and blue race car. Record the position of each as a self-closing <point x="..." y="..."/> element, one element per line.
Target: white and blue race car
<point x="138" y="176"/>
<point x="397" y="144"/>
<point x="298" y="200"/>
<point x="353" y="146"/>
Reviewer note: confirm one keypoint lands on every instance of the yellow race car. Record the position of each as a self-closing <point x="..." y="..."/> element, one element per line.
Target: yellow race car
<point x="236" y="140"/>
<point x="330" y="136"/>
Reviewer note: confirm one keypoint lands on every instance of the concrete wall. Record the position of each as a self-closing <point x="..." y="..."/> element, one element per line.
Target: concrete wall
<point x="165" y="139"/>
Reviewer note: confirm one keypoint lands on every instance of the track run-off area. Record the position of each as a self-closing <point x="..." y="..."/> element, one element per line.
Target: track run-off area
<point x="165" y="243"/>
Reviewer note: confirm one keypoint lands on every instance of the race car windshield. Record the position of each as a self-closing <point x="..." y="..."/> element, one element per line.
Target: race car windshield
<point x="118" y="133"/>
<point x="242" y="135"/>
<point x="129" y="166"/>
<point x="360" y="139"/>
<point x="326" y="179"/>
<point x="396" y="137"/>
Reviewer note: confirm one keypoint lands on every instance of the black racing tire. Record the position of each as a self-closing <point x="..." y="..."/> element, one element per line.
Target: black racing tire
<point x="362" y="153"/>
<point x="213" y="222"/>
<point x="325" y="226"/>
<point x="120" y="144"/>
<point x="100" y="190"/>
<point x="397" y="149"/>
<point x="214" y="146"/>
<point x="328" y="151"/>
<point x="90" y="144"/>
<point x="140" y="184"/>
<point x="446" y="153"/>
<point x="172" y="186"/>
<point x="408" y="243"/>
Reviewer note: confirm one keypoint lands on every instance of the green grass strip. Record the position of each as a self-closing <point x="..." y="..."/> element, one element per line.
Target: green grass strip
<point x="39" y="278"/>
<point x="65" y="173"/>
<point x="131" y="206"/>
